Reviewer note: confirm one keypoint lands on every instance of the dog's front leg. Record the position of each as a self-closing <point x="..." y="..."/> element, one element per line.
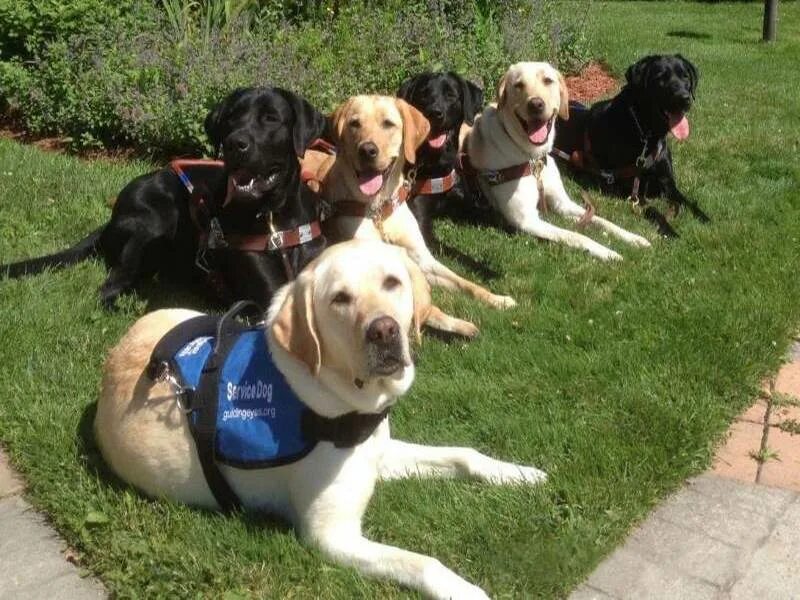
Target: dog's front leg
<point x="675" y="196"/>
<point x="403" y="459"/>
<point x="347" y="546"/>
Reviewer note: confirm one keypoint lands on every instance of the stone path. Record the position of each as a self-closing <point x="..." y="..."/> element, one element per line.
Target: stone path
<point x="732" y="533"/>
<point x="32" y="560"/>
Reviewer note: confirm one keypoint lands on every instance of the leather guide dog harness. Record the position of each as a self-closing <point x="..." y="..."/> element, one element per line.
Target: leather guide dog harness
<point x="211" y="235"/>
<point x="435" y="185"/>
<point x="584" y="160"/>
<point x="492" y="177"/>
<point x="241" y="410"/>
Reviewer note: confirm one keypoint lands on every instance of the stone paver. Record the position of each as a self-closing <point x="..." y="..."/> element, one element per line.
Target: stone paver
<point x="727" y="534"/>
<point x="713" y="539"/>
<point x="783" y="470"/>
<point x="773" y="572"/>
<point x="734" y="459"/>
<point x="32" y="563"/>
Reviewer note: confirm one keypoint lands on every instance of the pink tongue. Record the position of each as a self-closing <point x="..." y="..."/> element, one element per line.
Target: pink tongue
<point x="370" y="184"/>
<point x="538" y="136"/>
<point x="438" y="141"/>
<point x="679" y="126"/>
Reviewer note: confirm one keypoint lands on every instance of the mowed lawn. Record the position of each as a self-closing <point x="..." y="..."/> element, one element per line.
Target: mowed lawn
<point x="617" y="379"/>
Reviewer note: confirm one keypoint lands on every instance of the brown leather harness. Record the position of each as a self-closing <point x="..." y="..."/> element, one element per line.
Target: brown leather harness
<point x="211" y="236"/>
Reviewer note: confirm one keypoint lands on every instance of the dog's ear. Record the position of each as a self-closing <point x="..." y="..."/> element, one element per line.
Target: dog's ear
<point x="422" y="294"/>
<point x="337" y="120"/>
<point x="408" y="87"/>
<point x="215" y="120"/>
<point x="471" y="98"/>
<point x="309" y="123"/>
<point x="501" y="91"/>
<point x="563" y="106"/>
<point x="294" y="327"/>
<point x="415" y="129"/>
<point x="637" y="73"/>
<point x="694" y="74"/>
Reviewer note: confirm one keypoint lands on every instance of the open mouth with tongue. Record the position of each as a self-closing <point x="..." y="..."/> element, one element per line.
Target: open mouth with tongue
<point x="370" y="182"/>
<point x="437" y="141"/>
<point x="537" y="130"/>
<point x="678" y="124"/>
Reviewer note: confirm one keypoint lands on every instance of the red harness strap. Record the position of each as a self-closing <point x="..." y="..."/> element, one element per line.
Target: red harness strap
<point x="319" y="145"/>
<point x="279" y="240"/>
<point x="435" y="185"/>
<point x="495" y="177"/>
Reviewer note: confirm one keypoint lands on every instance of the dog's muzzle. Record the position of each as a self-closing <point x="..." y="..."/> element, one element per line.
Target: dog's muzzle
<point x="384" y="345"/>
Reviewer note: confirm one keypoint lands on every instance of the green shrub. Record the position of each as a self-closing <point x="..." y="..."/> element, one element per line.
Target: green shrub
<point x="148" y="82"/>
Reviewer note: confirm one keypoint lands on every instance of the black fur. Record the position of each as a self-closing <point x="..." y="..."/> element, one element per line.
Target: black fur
<point x="655" y="85"/>
<point x="447" y="100"/>
<point x="261" y="131"/>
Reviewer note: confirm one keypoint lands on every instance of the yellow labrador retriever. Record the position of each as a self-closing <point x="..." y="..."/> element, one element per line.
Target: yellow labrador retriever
<point x="339" y="334"/>
<point x="508" y="150"/>
<point x="377" y="138"/>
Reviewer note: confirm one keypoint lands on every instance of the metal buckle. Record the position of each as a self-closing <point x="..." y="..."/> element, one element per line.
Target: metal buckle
<point x="216" y="239"/>
<point x="200" y="261"/>
<point x="537" y="166"/>
<point x="181" y="396"/>
<point x="493" y="177"/>
<point x="276" y="240"/>
<point x="636" y="204"/>
<point x="608" y="177"/>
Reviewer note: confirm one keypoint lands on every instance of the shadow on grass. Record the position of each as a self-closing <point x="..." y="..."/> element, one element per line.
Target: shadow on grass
<point x="690" y="35"/>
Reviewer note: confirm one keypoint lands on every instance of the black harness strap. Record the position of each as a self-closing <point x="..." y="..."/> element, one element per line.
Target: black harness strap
<point x="345" y="431"/>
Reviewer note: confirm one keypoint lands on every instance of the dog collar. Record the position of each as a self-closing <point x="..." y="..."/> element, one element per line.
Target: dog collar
<point x="435" y="185"/>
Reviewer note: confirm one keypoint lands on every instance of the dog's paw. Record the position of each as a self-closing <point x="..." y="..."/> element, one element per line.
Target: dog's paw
<point x="502" y="302"/>
<point x="520" y="474"/>
<point x="639" y="241"/>
<point x="443" y="584"/>
<point x="607" y="254"/>
<point x="468" y="330"/>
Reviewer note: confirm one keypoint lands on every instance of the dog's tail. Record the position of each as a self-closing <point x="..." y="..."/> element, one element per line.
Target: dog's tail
<point x="84" y="249"/>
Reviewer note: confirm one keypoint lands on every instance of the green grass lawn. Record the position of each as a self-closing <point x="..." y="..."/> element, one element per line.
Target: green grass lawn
<point x="616" y="379"/>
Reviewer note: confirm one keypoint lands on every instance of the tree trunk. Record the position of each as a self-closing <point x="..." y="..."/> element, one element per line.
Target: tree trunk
<point x="770" y="20"/>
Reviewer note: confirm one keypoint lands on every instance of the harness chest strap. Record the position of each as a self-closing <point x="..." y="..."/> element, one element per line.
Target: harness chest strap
<point x="495" y="177"/>
<point x="435" y="185"/>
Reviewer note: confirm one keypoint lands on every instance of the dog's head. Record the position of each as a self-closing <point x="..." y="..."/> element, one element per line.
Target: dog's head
<point x="261" y="132"/>
<point x="446" y="99"/>
<point x="666" y="85"/>
<point x="529" y="97"/>
<point x="348" y="317"/>
<point x="376" y="136"/>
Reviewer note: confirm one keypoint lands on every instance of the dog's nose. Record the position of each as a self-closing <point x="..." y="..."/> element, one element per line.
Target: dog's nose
<point x="437" y="113"/>
<point x="383" y="331"/>
<point x="237" y="143"/>
<point x="535" y="105"/>
<point x="368" y="150"/>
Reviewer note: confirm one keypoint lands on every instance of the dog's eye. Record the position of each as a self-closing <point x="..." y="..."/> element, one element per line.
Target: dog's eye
<point x="519" y="84"/>
<point x="387" y="124"/>
<point x="391" y="282"/>
<point x="355" y="123"/>
<point x="342" y="298"/>
<point x="548" y="81"/>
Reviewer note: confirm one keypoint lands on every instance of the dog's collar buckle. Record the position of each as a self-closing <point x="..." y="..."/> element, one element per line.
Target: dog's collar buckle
<point x="216" y="238"/>
<point x="537" y="166"/>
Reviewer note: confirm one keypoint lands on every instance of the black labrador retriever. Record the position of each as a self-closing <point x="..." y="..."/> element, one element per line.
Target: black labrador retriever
<point x="248" y="220"/>
<point x="447" y="100"/>
<point x="623" y="141"/>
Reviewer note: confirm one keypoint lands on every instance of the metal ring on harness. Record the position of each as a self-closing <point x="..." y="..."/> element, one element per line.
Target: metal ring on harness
<point x="636" y="204"/>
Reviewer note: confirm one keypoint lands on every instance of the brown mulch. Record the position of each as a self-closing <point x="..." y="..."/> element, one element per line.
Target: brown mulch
<point x="592" y="83"/>
<point x="8" y="130"/>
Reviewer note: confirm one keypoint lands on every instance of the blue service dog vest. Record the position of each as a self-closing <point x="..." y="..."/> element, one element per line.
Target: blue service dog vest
<point x="258" y="421"/>
<point x="241" y="410"/>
